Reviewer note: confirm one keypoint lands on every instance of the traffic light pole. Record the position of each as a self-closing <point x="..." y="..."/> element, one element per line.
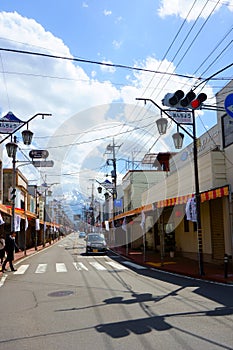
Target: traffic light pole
<point x="196" y="176"/>
<point x="198" y="200"/>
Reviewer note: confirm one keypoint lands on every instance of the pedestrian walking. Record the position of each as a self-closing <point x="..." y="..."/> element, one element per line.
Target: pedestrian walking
<point x="10" y="246"/>
<point x="2" y="248"/>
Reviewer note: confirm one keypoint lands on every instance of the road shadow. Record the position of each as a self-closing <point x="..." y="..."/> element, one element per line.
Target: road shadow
<point x="157" y="322"/>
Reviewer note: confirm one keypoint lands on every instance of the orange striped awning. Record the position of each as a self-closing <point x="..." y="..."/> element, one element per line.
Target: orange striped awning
<point x="132" y="212"/>
<point x="216" y="193"/>
<point x="5" y="209"/>
<point x="170" y="202"/>
<point x="205" y="196"/>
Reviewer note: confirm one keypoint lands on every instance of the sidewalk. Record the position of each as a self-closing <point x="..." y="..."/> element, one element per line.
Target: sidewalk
<point x="23" y="254"/>
<point x="180" y="265"/>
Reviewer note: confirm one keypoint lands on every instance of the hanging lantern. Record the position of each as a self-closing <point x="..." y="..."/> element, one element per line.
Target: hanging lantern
<point x="11" y="148"/>
<point x="27" y="137"/>
<point x="106" y="195"/>
<point x="178" y="140"/>
<point x="162" y="125"/>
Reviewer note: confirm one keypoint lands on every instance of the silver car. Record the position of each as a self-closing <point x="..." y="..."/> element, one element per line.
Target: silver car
<point x="95" y="243"/>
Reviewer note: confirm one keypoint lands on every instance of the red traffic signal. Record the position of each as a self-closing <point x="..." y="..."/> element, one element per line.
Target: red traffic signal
<point x="181" y="101"/>
<point x="198" y="101"/>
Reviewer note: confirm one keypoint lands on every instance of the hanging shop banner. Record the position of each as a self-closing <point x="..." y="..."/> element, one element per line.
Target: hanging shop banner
<point x="191" y="209"/>
<point x="37" y="224"/>
<point x="17" y="223"/>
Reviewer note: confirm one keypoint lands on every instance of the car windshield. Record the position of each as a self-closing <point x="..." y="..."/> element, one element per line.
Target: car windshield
<point x="93" y="238"/>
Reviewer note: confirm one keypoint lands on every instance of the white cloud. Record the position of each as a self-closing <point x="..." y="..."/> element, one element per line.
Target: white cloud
<point x="117" y="44"/>
<point x="77" y="100"/>
<point x="107" y="69"/>
<point x="119" y="19"/>
<point x="107" y="12"/>
<point x="85" y="4"/>
<point x="181" y="8"/>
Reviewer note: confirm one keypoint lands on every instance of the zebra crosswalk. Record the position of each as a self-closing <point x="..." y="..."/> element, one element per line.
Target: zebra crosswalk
<point x="86" y="265"/>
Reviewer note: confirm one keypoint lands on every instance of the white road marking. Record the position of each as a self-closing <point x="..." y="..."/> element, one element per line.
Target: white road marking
<point x="2" y="281"/>
<point x="80" y="266"/>
<point x="139" y="267"/>
<point x="116" y="266"/>
<point x="41" y="268"/>
<point x="97" y="266"/>
<point x="61" y="267"/>
<point x="21" y="270"/>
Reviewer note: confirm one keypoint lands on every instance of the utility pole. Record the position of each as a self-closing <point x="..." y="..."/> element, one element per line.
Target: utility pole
<point x="111" y="149"/>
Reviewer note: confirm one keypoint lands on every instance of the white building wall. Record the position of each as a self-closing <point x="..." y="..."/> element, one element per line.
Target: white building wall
<point x="181" y="180"/>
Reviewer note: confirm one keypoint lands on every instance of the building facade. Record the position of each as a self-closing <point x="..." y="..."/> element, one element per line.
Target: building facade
<point x="161" y="222"/>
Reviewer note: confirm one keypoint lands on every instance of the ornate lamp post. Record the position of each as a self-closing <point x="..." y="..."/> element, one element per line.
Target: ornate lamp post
<point x="11" y="148"/>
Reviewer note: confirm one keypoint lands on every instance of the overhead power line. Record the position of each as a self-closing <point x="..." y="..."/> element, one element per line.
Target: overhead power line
<point x="74" y="59"/>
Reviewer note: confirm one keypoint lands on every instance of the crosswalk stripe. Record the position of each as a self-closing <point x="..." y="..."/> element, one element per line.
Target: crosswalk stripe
<point x="116" y="266"/>
<point x="61" y="267"/>
<point x="97" y="266"/>
<point x="41" y="268"/>
<point x="21" y="270"/>
<point x="2" y="281"/>
<point x="80" y="266"/>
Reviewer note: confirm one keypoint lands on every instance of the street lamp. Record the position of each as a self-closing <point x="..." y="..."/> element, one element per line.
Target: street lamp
<point x="11" y="148"/>
<point x="178" y="141"/>
<point x="27" y="137"/>
<point x="162" y="125"/>
<point x="26" y="134"/>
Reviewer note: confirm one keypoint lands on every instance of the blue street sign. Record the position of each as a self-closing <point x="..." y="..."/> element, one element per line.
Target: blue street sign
<point x="229" y="105"/>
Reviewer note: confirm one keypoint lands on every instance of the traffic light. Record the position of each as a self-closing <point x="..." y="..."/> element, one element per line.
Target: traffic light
<point x="172" y="100"/>
<point x="185" y="102"/>
<point x="195" y="104"/>
<point x="180" y="100"/>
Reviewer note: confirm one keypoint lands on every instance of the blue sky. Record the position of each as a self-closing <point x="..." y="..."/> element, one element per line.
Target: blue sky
<point x="94" y="102"/>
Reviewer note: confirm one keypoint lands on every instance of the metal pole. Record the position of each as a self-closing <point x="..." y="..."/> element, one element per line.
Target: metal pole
<point x="23" y="124"/>
<point x="13" y="190"/>
<point x="44" y="228"/>
<point x="196" y="175"/>
<point x="197" y="197"/>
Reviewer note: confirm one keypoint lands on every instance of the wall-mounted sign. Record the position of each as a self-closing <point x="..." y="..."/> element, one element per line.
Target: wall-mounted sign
<point x="229" y="105"/>
<point x="38" y="153"/>
<point x="43" y="163"/>
<point x="9" y="123"/>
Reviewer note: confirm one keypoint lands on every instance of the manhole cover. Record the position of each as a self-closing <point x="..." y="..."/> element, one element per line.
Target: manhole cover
<point x="60" y="293"/>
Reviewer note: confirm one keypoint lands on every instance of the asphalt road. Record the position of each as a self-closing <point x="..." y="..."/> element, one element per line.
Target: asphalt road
<point x="60" y="298"/>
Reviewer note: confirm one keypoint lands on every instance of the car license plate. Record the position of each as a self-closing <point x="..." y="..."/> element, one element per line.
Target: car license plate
<point x="95" y="250"/>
